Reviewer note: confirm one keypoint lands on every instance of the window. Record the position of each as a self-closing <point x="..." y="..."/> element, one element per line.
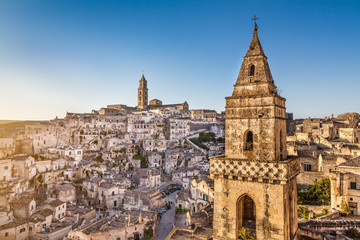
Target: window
<point x="6" y="234"/>
<point x="30" y="229"/>
<point x="249" y="142"/>
<point x="353" y="185"/>
<point x="307" y="167"/>
<point x="6" y="167"/>
<point x="252" y="70"/>
<point x="22" y="230"/>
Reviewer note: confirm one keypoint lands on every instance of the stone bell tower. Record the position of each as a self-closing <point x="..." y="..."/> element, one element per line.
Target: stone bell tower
<point x="142" y="94"/>
<point x="255" y="182"/>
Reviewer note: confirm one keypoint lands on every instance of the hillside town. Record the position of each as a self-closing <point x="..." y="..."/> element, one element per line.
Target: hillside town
<point x="108" y="174"/>
<point x="166" y="171"/>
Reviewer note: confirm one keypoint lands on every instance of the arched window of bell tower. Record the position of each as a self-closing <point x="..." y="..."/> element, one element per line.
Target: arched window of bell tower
<point x="252" y="70"/>
<point x="249" y="141"/>
<point x="246" y="214"/>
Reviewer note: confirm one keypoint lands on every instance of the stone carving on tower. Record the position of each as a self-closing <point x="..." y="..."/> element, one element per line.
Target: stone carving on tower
<point x="142" y="94"/>
<point x="255" y="182"/>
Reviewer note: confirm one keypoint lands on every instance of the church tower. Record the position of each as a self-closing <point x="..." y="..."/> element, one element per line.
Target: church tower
<point x="255" y="182"/>
<point x="142" y="94"/>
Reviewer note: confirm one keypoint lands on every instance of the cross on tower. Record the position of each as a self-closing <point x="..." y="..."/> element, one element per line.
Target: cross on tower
<point x="254" y="19"/>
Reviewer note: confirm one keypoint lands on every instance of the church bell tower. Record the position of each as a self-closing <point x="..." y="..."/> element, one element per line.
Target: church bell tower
<point x="142" y="94"/>
<point x="255" y="182"/>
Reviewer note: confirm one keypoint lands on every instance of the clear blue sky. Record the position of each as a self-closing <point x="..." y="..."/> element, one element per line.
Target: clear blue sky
<point x="65" y="55"/>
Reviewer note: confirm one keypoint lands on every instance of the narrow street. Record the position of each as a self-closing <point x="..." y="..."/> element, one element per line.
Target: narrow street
<point x="167" y="220"/>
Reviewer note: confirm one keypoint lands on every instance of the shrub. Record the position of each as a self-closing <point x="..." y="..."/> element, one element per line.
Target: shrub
<point x="303" y="213"/>
<point x="245" y="235"/>
<point x="98" y="158"/>
<point x="148" y="233"/>
<point x="316" y="194"/>
<point x="352" y="233"/>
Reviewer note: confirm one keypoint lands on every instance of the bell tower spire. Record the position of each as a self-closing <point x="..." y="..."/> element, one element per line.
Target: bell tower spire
<point x="142" y="94"/>
<point x="255" y="183"/>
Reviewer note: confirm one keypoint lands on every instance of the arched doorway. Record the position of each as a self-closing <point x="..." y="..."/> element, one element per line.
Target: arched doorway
<point x="246" y="214"/>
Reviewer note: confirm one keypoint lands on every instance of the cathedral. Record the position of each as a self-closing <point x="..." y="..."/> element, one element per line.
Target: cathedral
<point x="156" y="104"/>
<point x="255" y="181"/>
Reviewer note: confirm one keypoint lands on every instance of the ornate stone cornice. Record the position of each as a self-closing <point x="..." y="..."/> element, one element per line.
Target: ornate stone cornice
<point x="244" y="169"/>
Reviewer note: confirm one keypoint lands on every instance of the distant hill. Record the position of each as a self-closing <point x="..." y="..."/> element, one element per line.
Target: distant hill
<point x="8" y="121"/>
<point x="9" y="128"/>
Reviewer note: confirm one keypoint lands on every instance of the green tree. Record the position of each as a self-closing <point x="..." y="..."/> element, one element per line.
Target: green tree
<point x="344" y="206"/>
<point x="143" y="163"/>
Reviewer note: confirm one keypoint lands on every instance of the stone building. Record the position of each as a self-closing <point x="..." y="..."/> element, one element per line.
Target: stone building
<point x="201" y="193"/>
<point x="345" y="185"/>
<point x="128" y="225"/>
<point x="7" y="147"/>
<point x="177" y="128"/>
<point x="6" y="169"/>
<point x="255" y="182"/>
<point x="23" y="207"/>
<point x="203" y="114"/>
<point x="146" y="199"/>
<point x="65" y="193"/>
<point x="24" y="166"/>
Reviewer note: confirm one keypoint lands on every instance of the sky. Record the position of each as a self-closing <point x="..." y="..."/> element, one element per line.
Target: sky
<point x="63" y="56"/>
